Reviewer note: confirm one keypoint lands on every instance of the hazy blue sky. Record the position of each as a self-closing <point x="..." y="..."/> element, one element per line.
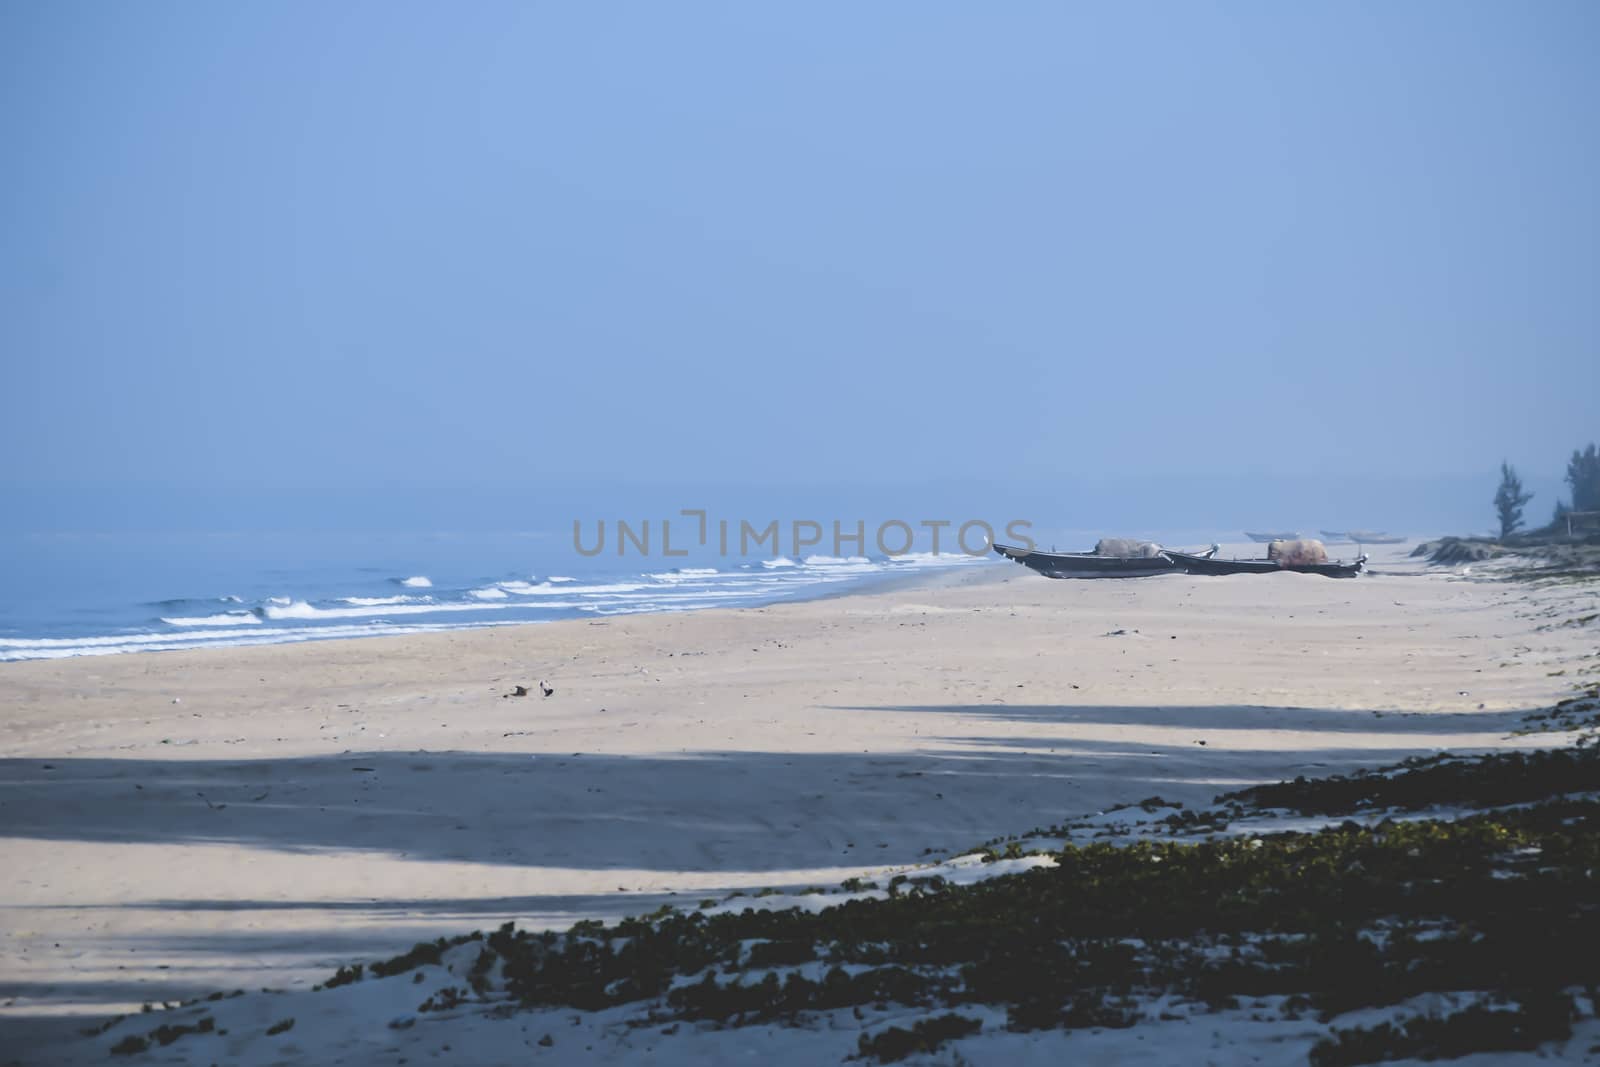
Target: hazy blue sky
<point x="390" y="244"/>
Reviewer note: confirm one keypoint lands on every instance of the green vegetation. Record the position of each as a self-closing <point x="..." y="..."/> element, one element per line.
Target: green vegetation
<point x="161" y="1035"/>
<point x="1571" y="553"/>
<point x="926" y="1035"/>
<point x="444" y="1000"/>
<point x="1509" y="500"/>
<point x="1352" y="916"/>
<point x="131" y="1045"/>
<point x="422" y="953"/>
<point x="1581" y="712"/>
<point x="1542" y="1016"/>
<point x="1482" y="781"/>
<point x="343" y="976"/>
<point x="478" y="977"/>
<point x="1497" y="906"/>
<point x="1583" y="478"/>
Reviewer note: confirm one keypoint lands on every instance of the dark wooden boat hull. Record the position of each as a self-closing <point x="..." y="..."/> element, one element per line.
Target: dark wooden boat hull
<point x="1086" y="564"/>
<point x="1204" y="565"/>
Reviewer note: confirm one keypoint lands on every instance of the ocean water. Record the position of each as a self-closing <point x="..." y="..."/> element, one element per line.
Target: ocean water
<point x="117" y="570"/>
<point x="130" y="590"/>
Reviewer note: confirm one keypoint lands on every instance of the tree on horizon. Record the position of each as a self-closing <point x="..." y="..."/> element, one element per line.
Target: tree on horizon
<point x="1509" y="499"/>
<point x="1583" y="475"/>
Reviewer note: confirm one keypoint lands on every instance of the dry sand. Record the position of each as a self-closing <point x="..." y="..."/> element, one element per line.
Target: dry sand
<point x="175" y="823"/>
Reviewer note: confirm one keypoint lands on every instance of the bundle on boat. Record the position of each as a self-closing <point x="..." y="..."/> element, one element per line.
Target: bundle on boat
<point x="1300" y="553"/>
<point x="1126" y="548"/>
<point x="1300" y="556"/>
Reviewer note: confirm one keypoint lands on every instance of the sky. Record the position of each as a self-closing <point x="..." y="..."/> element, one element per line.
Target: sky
<point x="484" y="246"/>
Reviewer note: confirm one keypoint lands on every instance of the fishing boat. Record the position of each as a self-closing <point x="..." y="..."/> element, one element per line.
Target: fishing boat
<point x="1332" y="536"/>
<point x="1265" y="538"/>
<point x="1208" y="565"/>
<point x="1091" y="564"/>
<point x="1375" y="537"/>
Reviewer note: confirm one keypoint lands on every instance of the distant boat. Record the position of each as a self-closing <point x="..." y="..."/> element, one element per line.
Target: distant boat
<point x="1375" y="537"/>
<point x="1263" y="538"/>
<point x="1090" y="564"/>
<point x="1207" y="565"/>
<point x="1363" y="537"/>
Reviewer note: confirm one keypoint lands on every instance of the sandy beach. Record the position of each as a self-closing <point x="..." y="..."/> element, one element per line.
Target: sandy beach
<point x="177" y="823"/>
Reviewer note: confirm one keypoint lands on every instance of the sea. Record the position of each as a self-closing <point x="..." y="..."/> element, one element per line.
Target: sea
<point x="106" y="571"/>
<point x="88" y="593"/>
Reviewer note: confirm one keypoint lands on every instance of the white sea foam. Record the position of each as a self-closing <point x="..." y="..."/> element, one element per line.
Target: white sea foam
<point x="489" y="593"/>
<point x="9" y="644"/>
<point x="369" y="601"/>
<point x="781" y="561"/>
<point x="685" y="572"/>
<point x="935" y="559"/>
<point x="666" y="596"/>
<point x="636" y="596"/>
<point x="417" y="582"/>
<point x="546" y="589"/>
<point x="302" y="610"/>
<point x="232" y="618"/>
<point x="62" y="648"/>
<point x="523" y="587"/>
<point x="561" y="578"/>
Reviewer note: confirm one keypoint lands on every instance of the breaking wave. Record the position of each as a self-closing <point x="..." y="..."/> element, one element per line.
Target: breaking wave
<point x="231" y="618"/>
<point x="358" y="610"/>
<point x="300" y="609"/>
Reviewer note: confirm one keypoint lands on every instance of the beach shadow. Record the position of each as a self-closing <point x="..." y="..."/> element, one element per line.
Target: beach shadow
<point x="699" y="812"/>
<point x="717" y="811"/>
<point x="1223" y="718"/>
